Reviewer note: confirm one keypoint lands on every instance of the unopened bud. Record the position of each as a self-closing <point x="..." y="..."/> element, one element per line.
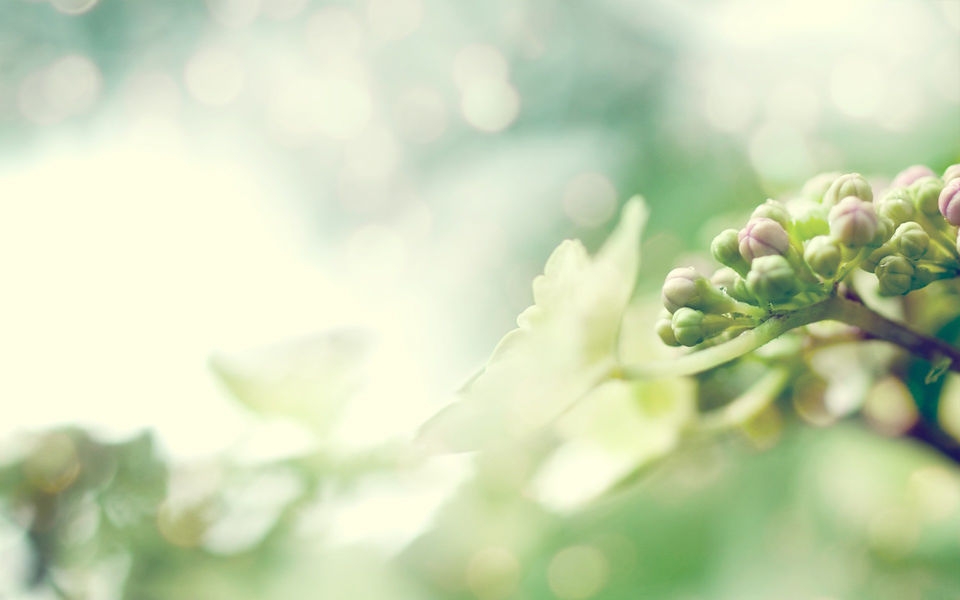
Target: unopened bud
<point x="952" y="172"/>
<point x="664" y="328"/>
<point x="772" y="279"/>
<point x="912" y="240"/>
<point x="685" y="287"/>
<point x="853" y="222"/>
<point x="949" y="202"/>
<point x="851" y="184"/>
<point x="690" y="327"/>
<point x="687" y="326"/>
<point x="725" y="248"/>
<point x="907" y="176"/>
<point x="926" y="192"/>
<point x="762" y="237"/>
<point x="823" y="256"/>
<point x="680" y="288"/>
<point x="895" y="275"/>
<point x="775" y="211"/>
<point x="896" y="205"/>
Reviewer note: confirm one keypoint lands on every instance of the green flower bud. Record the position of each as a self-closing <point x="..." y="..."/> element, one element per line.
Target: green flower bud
<point x="912" y="240"/>
<point x="809" y="219"/>
<point x="926" y="195"/>
<point x="725" y="248"/>
<point x="948" y="202"/>
<point x="851" y="184"/>
<point x="724" y="278"/>
<point x="907" y="176"/>
<point x="853" y="221"/>
<point x="762" y="237"/>
<point x="895" y="275"/>
<point x="664" y="328"/>
<point x="952" y="172"/>
<point x="775" y="211"/>
<point x="885" y="229"/>
<point x="733" y="285"/>
<point x="771" y="279"/>
<point x="685" y="287"/>
<point x="688" y="326"/>
<point x="816" y="187"/>
<point x="823" y="256"/>
<point x="896" y="205"/>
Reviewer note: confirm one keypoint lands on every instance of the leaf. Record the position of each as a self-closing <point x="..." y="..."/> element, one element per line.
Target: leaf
<point x="564" y="345"/>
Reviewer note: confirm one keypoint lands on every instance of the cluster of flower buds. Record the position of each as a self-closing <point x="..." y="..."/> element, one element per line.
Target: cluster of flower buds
<point x="790" y="254"/>
<point x="924" y="210"/>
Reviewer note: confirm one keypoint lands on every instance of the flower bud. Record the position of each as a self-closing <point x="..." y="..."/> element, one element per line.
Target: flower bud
<point x="725" y="248"/>
<point x="685" y="287"/>
<point x="664" y="328"/>
<point x="690" y="327"/>
<point x="949" y="202"/>
<point x="907" y="176"/>
<point x="896" y="205"/>
<point x="687" y="326"/>
<point x="680" y="288"/>
<point x="815" y="187"/>
<point x="762" y="237"/>
<point x="823" y="255"/>
<point x="952" y="172"/>
<point x="851" y="184"/>
<point x="912" y="240"/>
<point x="926" y="192"/>
<point x="771" y="279"/>
<point x="885" y="229"/>
<point x="853" y="222"/>
<point x="724" y="278"/>
<point x="775" y="211"/>
<point x="733" y="285"/>
<point x="895" y="275"/>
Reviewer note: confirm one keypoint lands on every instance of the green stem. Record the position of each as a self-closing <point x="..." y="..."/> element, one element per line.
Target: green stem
<point x="833" y="308"/>
<point x="879" y="327"/>
<point x="708" y="358"/>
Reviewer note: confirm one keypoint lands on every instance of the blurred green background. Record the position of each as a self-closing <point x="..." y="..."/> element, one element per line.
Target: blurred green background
<point x="248" y="246"/>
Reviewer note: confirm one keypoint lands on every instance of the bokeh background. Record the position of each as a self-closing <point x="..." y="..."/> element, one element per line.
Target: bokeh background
<point x="248" y="246"/>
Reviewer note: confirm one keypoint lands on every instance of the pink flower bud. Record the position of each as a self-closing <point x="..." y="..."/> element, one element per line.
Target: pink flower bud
<point x="907" y="176"/>
<point x="853" y="222"/>
<point x="952" y="172"/>
<point x="949" y="202"/>
<point x="680" y="288"/>
<point x="762" y="237"/>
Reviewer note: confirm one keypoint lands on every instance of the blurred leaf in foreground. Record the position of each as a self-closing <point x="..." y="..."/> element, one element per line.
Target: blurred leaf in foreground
<point x="309" y="380"/>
